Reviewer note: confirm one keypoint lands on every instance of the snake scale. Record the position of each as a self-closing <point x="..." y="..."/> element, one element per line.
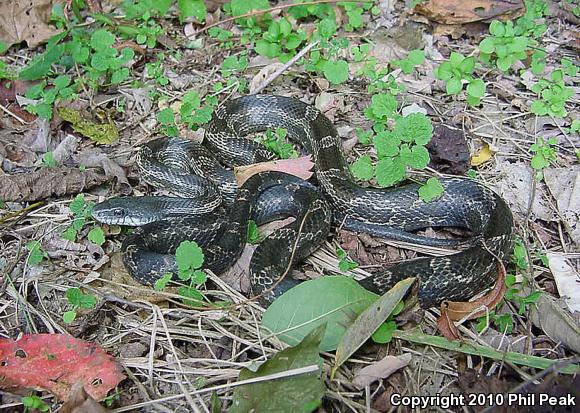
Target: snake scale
<point x="393" y="213"/>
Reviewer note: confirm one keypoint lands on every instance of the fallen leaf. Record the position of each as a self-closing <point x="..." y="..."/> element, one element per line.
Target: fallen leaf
<point x="80" y="402"/>
<point x="484" y="155"/>
<point x="300" y="393"/>
<point x="446" y="326"/>
<point x="380" y="370"/>
<point x="458" y="310"/>
<point x="300" y="167"/>
<point x="567" y="279"/>
<point x="368" y="321"/>
<point x="47" y="182"/>
<point x="26" y="21"/>
<point x="100" y="133"/>
<point x="564" y="185"/>
<point x="462" y="11"/>
<point x="263" y="74"/>
<point x="55" y="362"/>
<point x="95" y="158"/>
<point x="449" y="150"/>
<point x="331" y="300"/>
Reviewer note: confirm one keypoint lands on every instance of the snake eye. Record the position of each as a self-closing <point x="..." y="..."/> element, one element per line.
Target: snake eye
<point x="118" y="213"/>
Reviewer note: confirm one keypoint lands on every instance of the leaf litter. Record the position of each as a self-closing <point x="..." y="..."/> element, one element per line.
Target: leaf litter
<point x="181" y="350"/>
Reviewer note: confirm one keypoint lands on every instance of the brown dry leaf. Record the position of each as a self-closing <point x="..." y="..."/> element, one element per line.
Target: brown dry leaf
<point x="96" y="158"/>
<point x="449" y="150"/>
<point x="300" y="167"/>
<point x="26" y="21"/>
<point x="564" y="185"/>
<point x="80" y="402"/>
<point x="566" y="278"/>
<point x="461" y="11"/>
<point x="446" y="326"/>
<point x="263" y="74"/>
<point x="458" y="310"/>
<point x="47" y="182"/>
<point x="380" y="370"/>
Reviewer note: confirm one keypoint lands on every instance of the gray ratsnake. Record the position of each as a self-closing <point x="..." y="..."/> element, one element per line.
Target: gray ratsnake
<point x="215" y="213"/>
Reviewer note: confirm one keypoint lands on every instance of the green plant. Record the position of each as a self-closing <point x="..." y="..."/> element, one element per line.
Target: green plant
<point x="520" y="255"/>
<point x="459" y="71"/>
<point x="275" y="141"/>
<point x="413" y="59"/>
<point x="189" y="259"/>
<point x="34" y="403"/>
<point x="529" y="24"/>
<point x="81" y="211"/>
<point x="344" y="263"/>
<point x="545" y="152"/>
<point x="504" y="322"/>
<point x="504" y="45"/>
<point x="553" y="95"/>
<point x="154" y="70"/>
<point x="280" y="40"/>
<point x="35" y="252"/>
<point x="384" y="333"/>
<point x="78" y="300"/>
<point x="60" y="88"/>
<point x="48" y="160"/>
<point x="254" y="236"/>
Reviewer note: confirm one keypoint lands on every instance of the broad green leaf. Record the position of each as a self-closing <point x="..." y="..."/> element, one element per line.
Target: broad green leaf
<point x="444" y="71"/>
<point x="414" y="127"/>
<point x="36" y="254"/>
<point x="386" y="144"/>
<point x="369" y="321"/>
<point x="166" y="116"/>
<point x="192" y="8"/>
<point x="417" y="57"/>
<point x="96" y="236"/>
<point x="363" y="168"/>
<point x="69" y="316"/>
<point x="431" y="190"/>
<point x="487" y="45"/>
<point x="102" y="39"/>
<point x="504" y="63"/>
<point x="476" y="88"/>
<point x="188" y="255"/>
<point x="390" y="171"/>
<point x="467" y="65"/>
<point x="299" y="393"/>
<point x="453" y="86"/>
<point x="119" y="75"/>
<point x="334" y="300"/>
<point x="336" y="71"/>
<point x="456" y="59"/>
<point x="42" y="64"/>
<point x="419" y="158"/>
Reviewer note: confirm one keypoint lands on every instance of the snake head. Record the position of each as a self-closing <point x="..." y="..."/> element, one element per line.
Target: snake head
<point x="127" y="211"/>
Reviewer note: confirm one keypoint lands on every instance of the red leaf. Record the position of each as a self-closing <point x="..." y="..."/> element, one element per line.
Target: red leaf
<point x="55" y="362"/>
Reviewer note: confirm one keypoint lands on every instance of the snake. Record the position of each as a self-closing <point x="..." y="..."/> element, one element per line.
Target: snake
<point x="214" y="201"/>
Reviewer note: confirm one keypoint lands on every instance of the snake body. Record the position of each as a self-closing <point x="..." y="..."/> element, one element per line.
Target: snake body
<point x="389" y="213"/>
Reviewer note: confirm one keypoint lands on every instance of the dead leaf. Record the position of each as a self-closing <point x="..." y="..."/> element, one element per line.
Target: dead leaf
<point x="484" y="155"/>
<point x="449" y="151"/>
<point x="55" y="362"/>
<point x="567" y="279"/>
<point x="458" y="310"/>
<point x="26" y="21"/>
<point x="100" y="133"/>
<point x="446" y="326"/>
<point x="263" y="74"/>
<point x="95" y="158"/>
<point x="564" y="185"/>
<point x="47" y="182"/>
<point x="80" y="402"/>
<point x="37" y="138"/>
<point x="380" y="370"/>
<point x="300" y="167"/>
<point x="461" y="11"/>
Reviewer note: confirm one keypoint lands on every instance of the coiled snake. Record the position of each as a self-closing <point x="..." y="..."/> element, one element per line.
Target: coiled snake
<point x="392" y="213"/>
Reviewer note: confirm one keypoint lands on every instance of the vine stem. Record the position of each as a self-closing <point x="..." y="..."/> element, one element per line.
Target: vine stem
<point x="281" y="7"/>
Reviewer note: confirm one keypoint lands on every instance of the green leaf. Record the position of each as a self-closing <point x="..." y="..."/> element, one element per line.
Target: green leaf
<point x="444" y="71"/>
<point x="77" y="205"/>
<point x="268" y="49"/>
<point x="431" y="190"/>
<point x="382" y="106"/>
<point x="162" y="282"/>
<point x="369" y="321"/>
<point x="487" y="45"/>
<point x="48" y="160"/>
<point x="192" y="8"/>
<point x="384" y="333"/>
<point x="62" y="81"/>
<point x="191" y="295"/>
<point x="414" y="127"/>
<point x="334" y="300"/>
<point x="69" y="316"/>
<point x="504" y="63"/>
<point x="419" y="157"/>
<point x="363" y="168"/>
<point x="166" y="116"/>
<point x="41" y="65"/>
<point x="79" y="299"/>
<point x="36" y="254"/>
<point x="476" y="88"/>
<point x="70" y="234"/>
<point x="453" y="86"/>
<point x="102" y="39"/>
<point x="456" y="59"/>
<point x="386" y="144"/>
<point x="119" y="75"/>
<point x="416" y="57"/>
<point x="97" y="236"/>
<point x="390" y="171"/>
<point x="254" y="236"/>
<point x="188" y="255"/>
<point x="300" y="393"/>
<point x="467" y="65"/>
<point x="336" y="72"/>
